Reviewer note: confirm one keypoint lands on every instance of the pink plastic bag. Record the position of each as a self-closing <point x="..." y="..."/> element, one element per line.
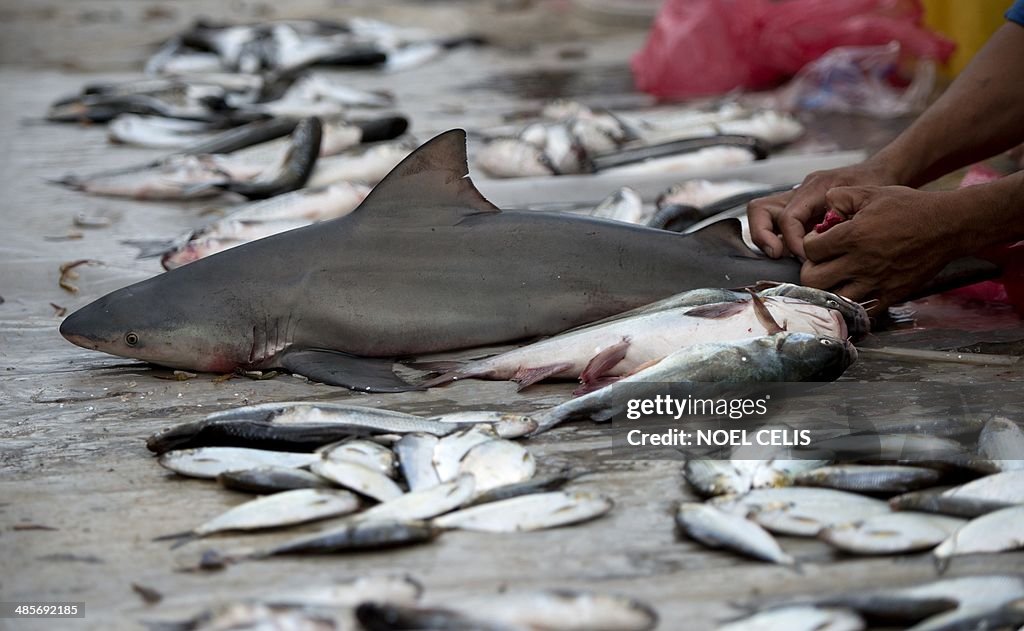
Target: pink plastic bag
<point x="704" y="47"/>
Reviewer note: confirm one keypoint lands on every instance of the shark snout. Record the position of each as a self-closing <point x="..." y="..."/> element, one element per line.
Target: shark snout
<point x="75" y="329"/>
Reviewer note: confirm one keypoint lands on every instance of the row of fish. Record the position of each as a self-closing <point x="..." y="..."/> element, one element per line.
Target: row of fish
<point x="387" y="478"/>
<point x="570" y="138"/>
<point x="384" y="603"/>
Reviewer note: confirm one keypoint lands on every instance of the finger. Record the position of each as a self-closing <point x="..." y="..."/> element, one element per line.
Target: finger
<point x="806" y="202"/>
<point x="847" y="200"/>
<point x="825" y="275"/>
<point x="761" y="214"/>
<point x="833" y="243"/>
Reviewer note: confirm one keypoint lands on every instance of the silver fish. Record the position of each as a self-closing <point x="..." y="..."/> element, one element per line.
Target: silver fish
<point x="270" y="480"/>
<point x="402" y="590"/>
<point x="424" y="504"/>
<point x="998" y="531"/>
<point x="505" y="424"/>
<point x="300" y="412"/>
<point x="355" y="535"/>
<point x="700" y="161"/>
<point x="416" y="460"/>
<point x="936" y="501"/>
<point x="528" y="512"/>
<point x="869" y="478"/>
<point x="624" y="204"/>
<point x="566" y="610"/>
<point x="719" y="529"/>
<point x="362" y="452"/>
<point x="801" y="511"/>
<point x="893" y="533"/>
<point x="539" y="484"/>
<point x="368" y="166"/>
<point x="498" y="463"/>
<point x="451" y="449"/>
<point x="799" y="618"/>
<point x="715" y="477"/>
<point x="1002" y="442"/>
<point x="256" y="616"/>
<point x="701" y="192"/>
<point x="1007" y="486"/>
<point x="209" y="462"/>
<point x="282" y="509"/>
<point x="358" y="478"/>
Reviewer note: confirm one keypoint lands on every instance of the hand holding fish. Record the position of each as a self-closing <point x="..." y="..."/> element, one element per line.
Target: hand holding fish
<point x="792" y="213"/>
<point x="896" y="240"/>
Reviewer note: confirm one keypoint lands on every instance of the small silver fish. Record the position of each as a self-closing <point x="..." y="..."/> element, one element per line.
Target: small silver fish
<point x="999" y="531"/>
<point x="892" y="533"/>
<point x="426" y="503"/>
<point x="282" y="509"/>
<point x="869" y="478"/>
<point x="300" y="412"/>
<point x="936" y="501"/>
<point x="270" y="480"/>
<point x="505" y="424"/>
<point x="528" y="512"/>
<point x="451" y="449"/>
<point x="416" y="460"/>
<point x="355" y="535"/>
<point x="801" y="511"/>
<point x="624" y="204"/>
<point x="358" y="478"/>
<point x="498" y="463"/>
<point x="1007" y="486"/>
<point x="401" y="590"/>
<point x="1002" y="442"/>
<point x="209" y="462"/>
<point x="719" y="529"/>
<point x="799" y="618"/>
<point x="362" y="452"/>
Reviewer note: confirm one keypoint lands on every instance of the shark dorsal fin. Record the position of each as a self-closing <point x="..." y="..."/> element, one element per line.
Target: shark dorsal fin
<point x="432" y="179"/>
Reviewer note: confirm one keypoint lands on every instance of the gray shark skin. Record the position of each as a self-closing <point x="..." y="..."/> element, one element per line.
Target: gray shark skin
<point x="425" y="264"/>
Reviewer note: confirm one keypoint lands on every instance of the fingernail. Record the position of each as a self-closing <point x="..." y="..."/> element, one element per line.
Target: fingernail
<point x="769" y="251"/>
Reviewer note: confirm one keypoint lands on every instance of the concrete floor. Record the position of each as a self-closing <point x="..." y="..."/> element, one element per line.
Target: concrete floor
<point x="73" y="422"/>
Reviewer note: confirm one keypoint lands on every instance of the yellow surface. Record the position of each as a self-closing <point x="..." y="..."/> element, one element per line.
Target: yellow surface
<point x="967" y="22"/>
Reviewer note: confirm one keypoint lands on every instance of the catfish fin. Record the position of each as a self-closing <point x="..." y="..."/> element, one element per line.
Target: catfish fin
<point x="431" y="182"/>
<point x="764" y="316"/>
<point x="717" y="309"/>
<point x="727" y="236"/>
<point x="526" y="377"/>
<point x="364" y="374"/>
<point x="608" y="358"/>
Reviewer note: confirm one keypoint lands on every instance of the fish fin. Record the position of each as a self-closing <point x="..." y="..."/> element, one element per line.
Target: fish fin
<point x="594" y="385"/>
<point x="150" y="248"/>
<point x="526" y="377"/>
<point x="435" y="176"/>
<point x="726" y="235"/>
<point x="608" y="358"/>
<point x="443" y="379"/>
<point x="765" y="316"/>
<point x="364" y="374"/>
<point x="717" y="310"/>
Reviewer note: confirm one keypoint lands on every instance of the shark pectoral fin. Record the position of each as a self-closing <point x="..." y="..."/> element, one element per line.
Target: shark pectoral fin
<point x="608" y="358"/>
<point x="526" y="377"/>
<point x="364" y="374"/>
<point x="725" y="237"/>
<point x="431" y="187"/>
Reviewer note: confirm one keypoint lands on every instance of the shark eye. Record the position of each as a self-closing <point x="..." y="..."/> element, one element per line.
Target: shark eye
<point x="131" y="339"/>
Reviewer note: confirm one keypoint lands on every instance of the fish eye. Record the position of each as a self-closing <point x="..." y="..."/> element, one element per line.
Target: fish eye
<point x="131" y="339"/>
<point x="832" y="303"/>
<point x="825" y="342"/>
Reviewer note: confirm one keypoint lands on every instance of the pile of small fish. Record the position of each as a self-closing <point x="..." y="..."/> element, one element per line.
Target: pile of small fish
<point x="884" y="494"/>
<point x="383" y="603"/>
<point x="571" y="138"/>
<point x="387" y="478"/>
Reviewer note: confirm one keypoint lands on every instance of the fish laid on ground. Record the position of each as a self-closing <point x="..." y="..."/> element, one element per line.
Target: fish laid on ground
<point x="362" y="452"/>
<point x="711" y="478"/>
<point x="700" y="193"/>
<point x="426" y="503"/>
<point x="282" y="509"/>
<point x="355" y="535"/>
<point x="801" y="511"/>
<point x="416" y="460"/>
<point x="401" y="590"/>
<point x="779" y="357"/>
<point x="367" y="164"/>
<point x="563" y="609"/>
<point x="997" y="531"/>
<point x="451" y="449"/>
<point x="270" y="480"/>
<point x="936" y="501"/>
<point x="347" y="313"/>
<point x="1007" y="486"/>
<point x="799" y="618"/>
<point x="498" y="463"/>
<point x="251" y="616"/>
<point x="528" y="512"/>
<point x="358" y="478"/>
<point x="539" y="484"/>
<point x="296" y="426"/>
<point x="719" y="529"/>
<point x="505" y="424"/>
<point x="894" y="533"/>
<point x="624" y="204"/>
<point x="618" y="348"/>
<point x="1002" y="442"/>
<point x="869" y="478"/>
<point x="700" y="161"/>
<point x="209" y="462"/>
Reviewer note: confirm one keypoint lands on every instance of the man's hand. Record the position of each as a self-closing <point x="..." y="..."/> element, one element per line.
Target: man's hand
<point x="793" y="213"/>
<point x="896" y="240"/>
